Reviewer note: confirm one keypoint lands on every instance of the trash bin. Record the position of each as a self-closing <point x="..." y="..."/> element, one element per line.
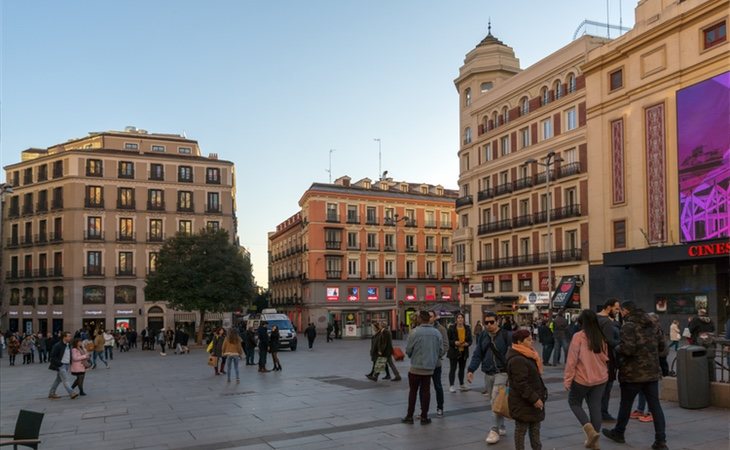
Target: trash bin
<point x="693" y="380"/>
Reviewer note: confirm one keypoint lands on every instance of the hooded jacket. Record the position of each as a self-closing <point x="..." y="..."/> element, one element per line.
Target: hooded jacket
<point x="638" y="350"/>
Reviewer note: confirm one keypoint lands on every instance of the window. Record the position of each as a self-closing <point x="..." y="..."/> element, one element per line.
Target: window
<point x="524" y="137"/>
<point x="504" y="212"/>
<point x="42" y="201"/>
<point x="488" y="156"/>
<point x="524" y="106"/>
<point x="125" y="198"/>
<point x="545" y="96"/>
<point x="445" y="244"/>
<point x="94" y="197"/>
<point x="157" y="172"/>
<point x="389" y="293"/>
<point x="125" y="295"/>
<point x="571" y="240"/>
<point x="126" y="229"/>
<point x="155" y="230"/>
<point x="184" y="201"/>
<point x="410" y="269"/>
<point x="570" y="156"/>
<point x="58" y="295"/>
<point x="487" y="216"/>
<point x="332" y="215"/>
<point x="125" y="263"/>
<point x="184" y="150"/>
<point x="505" y="285"/>
<point x="465" y="162"/>
<point x="504" y="145"/>
<point x="460" y="253"/>
<point x="389" y="242"/>
<point x="158" y="148"/>
<point x="467" y="96"/>
<point x="389" y="268"/>
<point x="352" y="216"/>
<point x="571" y="119"/>
<point x="372" y="267"/>
<point x="155" y="199"/>
<point x="185" y="227"/>
<point x="353" y="269"/>
<point x="152" y="259"/>
<point x="185" y="174"/>
<point x="28" y="203"/>
<point x="504" y="251"/>
<point x="430" y="217"/>
<point x="616" y="79"/>
<point x="372" y="241"/>
<point x="42" y="295"/>
<point x="93" y="228"/>
<point x="131" y="146"/>
<point x="371" y="216"/>
<point x="126" y="169"/>
<point x="505" y="115"/>
<point x="488" y="285"/>
<point x="93" y="263"/>
<point x="571" y="83"/>
<point x="558" y="89"/>
<point x="42" y="172"/>
<point x="445" y="220"/>
<point x="524" y="206"/>
<point x="57" y="169"/>
<point x="214" y="202"/>
<point x="410" y="242"/>
<point x="486" y="86"/>
<point x="332" y="239"/>
<point x="352" y="240"/>
<point x="94" y="168"/>
<point x="547" y="128"/>
<point x="464" y="220"/>
<point x="525" y="284"/>
<point x="619" y="234"/>
<point x="213" y="175"/>
<point x="430" y="243"/>
<point x="714" y="35"/>
<point x="445" y="269"/>
<point x="467" y="135"/>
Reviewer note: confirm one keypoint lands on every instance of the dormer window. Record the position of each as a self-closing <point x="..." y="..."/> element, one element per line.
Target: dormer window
<point x="184" y="150"/>
<point x="404" y="187"/>
<point x="424" y="189"/>
<point x="131" y="146"/>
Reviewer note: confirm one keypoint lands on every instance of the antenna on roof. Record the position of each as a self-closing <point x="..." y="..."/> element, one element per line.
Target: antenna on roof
<point x="489" y="27"/>
<point x="329" y="171"/>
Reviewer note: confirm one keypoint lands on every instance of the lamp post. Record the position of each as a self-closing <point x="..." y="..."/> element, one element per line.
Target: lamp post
<point x="550" y="159"/>
<point x="395" y="221"/>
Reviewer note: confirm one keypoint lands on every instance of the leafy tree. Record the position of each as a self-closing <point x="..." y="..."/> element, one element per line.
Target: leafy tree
<point x="261" y="301"/>
<point x="202" y="272"/>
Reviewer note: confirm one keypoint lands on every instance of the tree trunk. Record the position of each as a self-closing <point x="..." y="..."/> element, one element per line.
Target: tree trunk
<point x="201" y="327"/>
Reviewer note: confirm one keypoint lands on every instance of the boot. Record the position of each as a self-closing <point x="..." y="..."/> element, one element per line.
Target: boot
<point x="591" y="436"/>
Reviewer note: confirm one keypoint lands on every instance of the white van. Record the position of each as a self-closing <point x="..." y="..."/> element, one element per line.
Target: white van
<point x="287" y="333"/>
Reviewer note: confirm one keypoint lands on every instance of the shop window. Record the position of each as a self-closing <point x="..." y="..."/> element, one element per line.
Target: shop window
<point x="94" y="295"/>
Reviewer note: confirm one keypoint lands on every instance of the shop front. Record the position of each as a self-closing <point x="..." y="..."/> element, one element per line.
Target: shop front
<point x="124" y="319"/>
<point x="93" y="319"/>
<point x="185" y="321"/>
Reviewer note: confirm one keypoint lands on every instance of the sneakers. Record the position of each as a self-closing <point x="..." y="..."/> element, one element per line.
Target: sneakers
<point x="463" y="388"/>
<point x="646" y="418"/>
<point x="439" y="412"/>
<point x="396" y="379"/>
<point x="54" y="396"/>
<point x="408" y="420"/>
<point x="502" y="431"/>
<point x="659" y="445"/>
<point x="635" y="414"/>
<point x="614" y="435"/>
<point x="73" y="395"/>
<point x="492" y="437"/>
<point x="452" y="389"/>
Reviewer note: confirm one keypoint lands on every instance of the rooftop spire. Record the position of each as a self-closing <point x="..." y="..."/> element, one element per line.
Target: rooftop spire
<point x="490" y="39"/>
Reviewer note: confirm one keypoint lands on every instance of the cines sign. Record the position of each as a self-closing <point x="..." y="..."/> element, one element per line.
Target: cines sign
<point x="715" y="249"/>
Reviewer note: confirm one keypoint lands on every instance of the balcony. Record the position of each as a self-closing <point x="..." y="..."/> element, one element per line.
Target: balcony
<point x="12" y="242"/>
<point x="534" y="259"/>
<point x="93" y="235"/>
<point x="213" y="209"/>
<point x="466" y="200"/>
<point x="522" y="183"/>
<point x="126" y="237"/>
<point x="55" y="236"/>
<point x="485" y="194"/>
<point x="125" y="272"/>
<point x="125" y="174"/>
<point x="522" y="221"/>
<point x="332" y="217"/>
<point x="27" y="209"/>
<point x="40" y="238"/>
<point x="93" y="271"/>
<point x="333" y="245"/>
<point x="493" y="227"/>
<point x="41" y="206"/>
<point x="27" y="240"/>
<point x="388" y="248"/>
<point x="57" y="203"/>
<point x="185" y="207"/>
<point x="155" y="206"/>
<point x="212" y="180"/>
<point x="410" y="222"/>
<point x="12" y="275"/>
<point x="126" y="205"/>
<point x="55" y="272"/>
<point x="353" y="246"/>
<point x="13" y="212"/>
<point x="94" y="172"/>
<point x="155" y="237"/>
<point x="412" y="248"/>
<point x="353" y="218"/>
<point x="565" y="212"/>
<point x="372" y="221"/>
<point x="504" y="188"/>
<point x="430" y="249"/>
<point x="93" y="203"/>
<point x="156" y="176"/>
<point x="445" y="225"/>
<point x="373" y="248"/>
<point x="541" y="177"/>
<point x="569" y="169"/>
<point x="430" y="224"/>
<point x="446" y="250"/>
<point x="333" y="274"/>
<point x="57" y="171"/>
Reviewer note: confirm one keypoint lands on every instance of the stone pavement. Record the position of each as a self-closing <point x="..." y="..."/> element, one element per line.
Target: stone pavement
<point x="320" y="400"/>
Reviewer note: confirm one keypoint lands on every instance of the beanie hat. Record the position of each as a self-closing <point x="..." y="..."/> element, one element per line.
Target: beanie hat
<point x="520" y="335"/>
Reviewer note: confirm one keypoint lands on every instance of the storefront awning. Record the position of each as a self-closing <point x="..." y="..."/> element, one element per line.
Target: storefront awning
<point x="185" y="317"/>
<point x="213" y="316"/>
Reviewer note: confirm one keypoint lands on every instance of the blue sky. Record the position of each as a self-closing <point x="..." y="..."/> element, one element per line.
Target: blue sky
<point x="269" y="85"/>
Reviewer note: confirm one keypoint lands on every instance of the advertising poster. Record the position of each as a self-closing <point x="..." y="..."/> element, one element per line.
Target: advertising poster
<point x="333" y="293"/>
<point x="353" y="293"/>
<point x="372" y="293"/>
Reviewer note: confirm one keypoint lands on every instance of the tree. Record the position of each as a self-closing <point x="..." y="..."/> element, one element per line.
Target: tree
<point x="202" y="272"/>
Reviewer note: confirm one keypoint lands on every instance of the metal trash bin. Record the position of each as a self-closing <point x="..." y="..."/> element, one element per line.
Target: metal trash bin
<point x="693" y="380"/>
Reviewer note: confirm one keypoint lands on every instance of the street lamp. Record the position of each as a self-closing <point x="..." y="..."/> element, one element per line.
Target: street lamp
<point x="550" y="159"/>
<point x="395" y="221"/>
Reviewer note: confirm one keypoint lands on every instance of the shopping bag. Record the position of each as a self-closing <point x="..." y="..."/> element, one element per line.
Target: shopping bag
<point x="213" y="361"/>
<point x="686" y="333"/>
<point x="380" y="364"/>
<point x="500" y="404"/>
<point x="210" y="347"/>
<point x="398" y="354"/>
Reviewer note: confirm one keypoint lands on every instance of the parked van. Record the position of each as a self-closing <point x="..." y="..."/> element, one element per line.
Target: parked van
<point x="287" y="333"/>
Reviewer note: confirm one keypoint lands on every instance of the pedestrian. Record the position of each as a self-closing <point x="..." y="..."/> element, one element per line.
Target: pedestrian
<point x="527" y="391"/>
<point x="60" y="358"/>
<point x="108" y="345"/>
<point x="99" y="349"/>
<point x="545" y="336"/>
<point x="132" y="337"/>
<point x="639" y="347"/>
<point x="330" y="329"/>
<point x="232" y="351"/>
<point x="274" y="347"/>
<point x="311" y="333"/>
<point x="507" y="324"/>
<point x="490" y="353"/>
<point x="249" y="346"/>
<point x="13" y="348"/>
<point x="478" y="328"/>
<point x="560" y="334"/>
<point x="674" y="335"/>
<point x="390" y="362"/>
<point x="169" y="338"/>
<point x="425" y="347"/>
<point x="79" y="361"/>
<point x="377" y="353"/>
<point x="162" y="339"/>
<point x="26" y="348"/>
<point x="2" y="344"/>
<point x="586" y="374"/>
<point x="460" y="339"/>
<point x="436" y="377"/>
<point x="217" y="351"/>
<point x="337" y="329"/>
<point x="263" y="338"/>
<point x="607" y="321"/>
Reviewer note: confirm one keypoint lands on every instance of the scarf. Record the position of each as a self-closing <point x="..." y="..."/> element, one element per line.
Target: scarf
<point x="529" y="352"/>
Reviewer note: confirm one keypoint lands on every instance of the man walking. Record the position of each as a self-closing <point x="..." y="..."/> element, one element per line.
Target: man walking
<point x="490" y="352"/>
<point x="436" y="377"/>
<point x="311" y="333"/>
<point x="425" y="348"/>
<point x="61" y="362"/>
<point x="560" y="334"/>
<point x="640" y="344"/>
<point x="263" y="337"/>
<point x="609" y="327"/>
<point x="545" y="335"/>
<point x="330" y="329"/>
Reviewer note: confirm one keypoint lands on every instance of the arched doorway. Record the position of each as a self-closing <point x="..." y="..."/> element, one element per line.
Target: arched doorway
<point x="155" y="319"/>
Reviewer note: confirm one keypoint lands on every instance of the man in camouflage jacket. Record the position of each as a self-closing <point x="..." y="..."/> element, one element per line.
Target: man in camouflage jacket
<point x="638" y="351"/>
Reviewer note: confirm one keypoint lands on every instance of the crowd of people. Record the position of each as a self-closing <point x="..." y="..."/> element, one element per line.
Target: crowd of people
<point x="228" y="347"/>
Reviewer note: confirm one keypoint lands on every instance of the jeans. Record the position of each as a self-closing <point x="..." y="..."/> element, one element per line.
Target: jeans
<point x="453" y="363"/>
<point x="233" y="361"/>
<point x="109" y="352"/>
<point x="674" y="344"/>
<point x="592" y="395"/>
<point x="438" y="387"/>
<point x="560" y="343"/>
<point x="310" y="341"/>
<point x="493" y="382"/>
<point x="79" y="381"/>
<point x="419" y="385"/>
<point x="262" y="358"/>
<point x="62" y="377"/>
<point x="100" y="355"/>
<point x="641" y="404"/>
<point x="547" y="350"/>
<point x="650" y="389"/>
<point x="250" y="353"/>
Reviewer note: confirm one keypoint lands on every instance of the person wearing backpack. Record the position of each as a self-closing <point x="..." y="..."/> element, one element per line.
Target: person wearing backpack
<point x="490" y="353"/>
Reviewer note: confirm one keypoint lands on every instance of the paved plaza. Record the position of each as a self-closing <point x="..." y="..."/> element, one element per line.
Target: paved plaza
<point x="320" y="400"/>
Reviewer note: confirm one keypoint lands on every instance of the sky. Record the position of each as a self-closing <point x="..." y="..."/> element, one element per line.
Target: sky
<point x="270" y="85"/>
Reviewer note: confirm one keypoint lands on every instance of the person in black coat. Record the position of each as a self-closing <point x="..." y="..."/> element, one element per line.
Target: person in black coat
<point x="311" y="333"/>
<point x="274" y="347"/>
<point x="545" y="336"/>
<point x="527" y="391"/>
<point x="249" y="345"/>
<point x="263" y="334"/>
<point x="458" y="352"/>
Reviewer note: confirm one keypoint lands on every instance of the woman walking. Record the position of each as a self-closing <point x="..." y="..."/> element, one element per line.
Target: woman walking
<point x="217" y="351"/>
<point x="527" y="392"/>
<point x="460" y="339"/>
<point x="13" y="348"/>
<point x="79" y="358"/>
<point x="674" y="335"/>
<point x="26" y="349"/>
<point x="99" y="349"/>
<point x="377" y="350"/>
<point x="274" y="347"/>
<point x="586" y="374"/>
<point x="232" y="351"/>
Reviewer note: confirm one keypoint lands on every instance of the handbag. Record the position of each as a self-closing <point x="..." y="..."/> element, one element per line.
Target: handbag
<point x="500" y="404"/>
<point x="686" y="333"/>
<point x="213" y="361"/>
<point x="210" y="347"/>
<point x="398" y="354"/>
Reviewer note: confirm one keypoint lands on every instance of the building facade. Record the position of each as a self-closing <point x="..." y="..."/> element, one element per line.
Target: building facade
<point x="658" y="106"/>
<point x="365" y="251"/>
<point x="87" y="218"/>
<point x="523" y="202"/>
